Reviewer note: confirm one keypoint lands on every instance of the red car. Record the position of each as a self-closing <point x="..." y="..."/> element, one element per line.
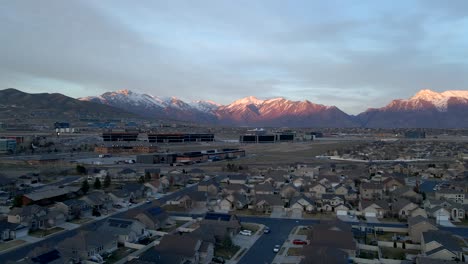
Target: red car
<point x="299" y="242"/>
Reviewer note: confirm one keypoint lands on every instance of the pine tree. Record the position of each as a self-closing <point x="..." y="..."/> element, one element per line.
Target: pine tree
<point x="85" y="186"/>
<point x="107" y="181"/>
<point x="97" y="184"/>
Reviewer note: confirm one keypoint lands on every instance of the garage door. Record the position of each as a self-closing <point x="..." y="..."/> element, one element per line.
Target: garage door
<point x="341" y="212"/>
<point x="370" y="214"/>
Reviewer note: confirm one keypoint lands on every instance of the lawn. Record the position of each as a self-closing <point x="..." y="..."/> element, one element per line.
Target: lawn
<point x="80" y="221"/>
<point x="248" y="212"/>
<point x="119" y="254"/>
<point x="396" y="253"/>
<point x="226" y="252"/>
<point x="252" y="227"/>
<point x="367" y="254"/>
<point x="294" y="252"/>
<point x="44" y="233"/>
<point x="173" y="208"/>
<point x="463" y="222"/>
<point x="11" y="244"/>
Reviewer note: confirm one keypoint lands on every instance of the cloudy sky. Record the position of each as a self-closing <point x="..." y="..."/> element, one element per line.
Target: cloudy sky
<point x="352" y="54"/>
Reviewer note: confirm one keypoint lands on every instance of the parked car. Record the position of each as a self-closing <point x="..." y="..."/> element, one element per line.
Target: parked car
<point x="276" y="249"/>
<point x="218" y="260"/>
<point x="266" y="230"/>
<point x="246" y="232"/>
<point x="299" y="242"/>
<point x="148" y="201"/>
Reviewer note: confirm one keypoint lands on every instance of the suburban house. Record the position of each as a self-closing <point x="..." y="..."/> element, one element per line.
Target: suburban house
<point x="233" y="201"/>
<point x="74" y="209"/>
<point x="451" y="195"/>
<point x="50" y="194"/>
<point x="331" y="234"/>
<point x="418" y="225"/>
<point x="87" y="246"/>
<point x="238" y="178"/>
<point x="391" y="184"/>
<point x="302" y="203"/>
<point x="31" y="216"/>
<point x="266" y="203"/>
<point x="264" y="188"/>
<point x="378" y="208"/>
<point x="403" y="207"/>
<point x="126" y="230"/>
<point x="211" y="186"/>
<point x="10" y="231"/>
<point x="176" y="249"/>
<point x="154" y="218"/>
<point x="235" y="188"/>
<point x="317" y="189"/>
<point x="441" y="245"/>
<point x="195" y="199"/>
<point x="406" y="192"/>
<point x="370" y="191"/>
<point x="219" y="226"/>
<point x="341" y="189"/>
<point x="99" y="201"/>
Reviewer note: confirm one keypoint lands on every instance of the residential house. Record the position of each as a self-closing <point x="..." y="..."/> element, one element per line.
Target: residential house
<point x="370" y="191"/>
<point x="441" y="245"/>
<point x="176" y="249"/>
<point x="88" y="245"/>
<point x="235" y="188"/>
<point x="403" y="207"/>
<point x="99" y="201"/>
<point x="125" y="175"/>
<point x="392" y="183"/>
<point x="196" y="199"/>
<point x="302" y="203"/>
<point x="332" y="199"/>
<point x="457" y="211"/>
<point x="417" y="225"/>
<point x="317" y="189"/>
<point x="331" y="234"/>
<point x="154" y="218"/>
<point x="264" y="188"/>
<point x="323" y="255"/>
<point x="50" y="194"/>
<point x="439" y="213"/>
<point x="377" y="208"/>
<point x="74" y="209"/>
<point x="220" y="225"/>
<point x="126" y="230"/>
<point x="341" y="189"/>
<point x="233" y="201"/>
<point x="211" y="186"/>
<point x="276" y="177"/>
<point x="267" y="203"/>
<point x="10" y="231"/>
<point x="238" y="178"/>
<point x="31" y="216"/>
<point x="408" y="193"/>
<point x="451" y="195"/>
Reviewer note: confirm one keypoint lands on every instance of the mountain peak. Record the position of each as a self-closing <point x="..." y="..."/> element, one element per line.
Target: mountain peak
<point x="124" y="92"/>
<point x="248" y="101"/>
<point x="427" y="95"/>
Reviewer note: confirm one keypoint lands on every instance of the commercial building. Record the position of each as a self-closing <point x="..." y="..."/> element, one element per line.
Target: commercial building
<point x="58" y="125"/>
<point x="126" y="148"/>
<point x="120" y="136"/>
<point x="157" y="158"/>
<point x="180" y="138"/>
<point x="267" y="138"/>
<point x="7" y="145"/>
<point x="190" y="157"/>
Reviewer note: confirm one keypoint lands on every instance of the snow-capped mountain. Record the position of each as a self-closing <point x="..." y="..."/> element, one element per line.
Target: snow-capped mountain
<point x="245" y="111"/>
<point x="425" y="109"/>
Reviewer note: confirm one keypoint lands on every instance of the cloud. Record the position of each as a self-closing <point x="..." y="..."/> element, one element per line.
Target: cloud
<point x="346" y="54"/>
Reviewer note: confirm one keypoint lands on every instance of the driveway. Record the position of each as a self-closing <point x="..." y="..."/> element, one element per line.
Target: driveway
<point x="348" y="218"/>
<point x="372" y="220"/>
<point x="296" y="214"/>
<point x="278" y="213"/>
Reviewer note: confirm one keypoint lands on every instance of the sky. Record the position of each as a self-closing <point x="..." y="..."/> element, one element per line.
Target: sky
<point x="351" y="54"/>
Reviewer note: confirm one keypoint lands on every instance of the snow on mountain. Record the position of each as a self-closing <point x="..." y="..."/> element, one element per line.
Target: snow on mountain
<point x="426" y="98"/>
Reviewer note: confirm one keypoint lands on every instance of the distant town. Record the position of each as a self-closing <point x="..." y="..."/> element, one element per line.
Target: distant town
<point x="130" y="191"/>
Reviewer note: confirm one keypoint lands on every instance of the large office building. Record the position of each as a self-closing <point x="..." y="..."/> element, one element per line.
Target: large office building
<point x="120" y="136"/>
<point x="267" y="138"/>
<point x="180" y="138"/>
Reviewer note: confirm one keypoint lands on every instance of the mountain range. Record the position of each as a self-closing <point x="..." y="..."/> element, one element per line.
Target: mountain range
<point x="426" y="109"/>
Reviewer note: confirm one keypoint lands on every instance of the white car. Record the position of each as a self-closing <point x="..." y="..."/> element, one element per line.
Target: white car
<point x="246" y="232"/>
<point x="276" y="249"/>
